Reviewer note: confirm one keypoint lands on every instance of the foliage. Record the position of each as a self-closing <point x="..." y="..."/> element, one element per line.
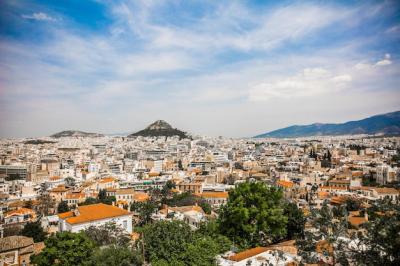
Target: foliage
<point x="46" y="203"/>
<point x="352" y="204"/>
<point x="166" y="190"/>
<point x="296" y="220"/>
<point x="116" y="255"/>
<point x="173" y="243"/>
<point x="253" y="215"/>
<point x="103" y="198"/>
<point x="69" y="249"/>
<point x="166" y="240"/>
<point x="180" y="167"/>
<point x="12" y="230"/>
<point x="145" y="210"/>
<point x="229" y="180"/>
<point x="200" y="252"/>
<point x="381" y="240"/>
<point x="34" y="230"/>
<point x="63" y="207"/>
<point x="211" y="229"/>
<point x="377" y="243"/>
<point x="107" y="234"/>
<point x="205" y="206"/>
<point x="183" y="199"/>
<point x="329" y="229"/>
<point x="89" y="201"/>
<point x="70" y="181"/>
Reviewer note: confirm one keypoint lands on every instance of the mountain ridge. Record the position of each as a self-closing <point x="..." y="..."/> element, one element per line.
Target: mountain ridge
<point x="386" y="124"/>
<point x="75" y="133"/>
<point x="160" y="128"/>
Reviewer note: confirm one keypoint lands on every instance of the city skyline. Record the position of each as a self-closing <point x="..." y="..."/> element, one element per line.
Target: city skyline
<point x="214" y="68"/>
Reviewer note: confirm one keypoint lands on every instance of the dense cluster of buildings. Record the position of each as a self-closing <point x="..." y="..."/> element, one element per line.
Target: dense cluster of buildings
<point x="73" y="169"/>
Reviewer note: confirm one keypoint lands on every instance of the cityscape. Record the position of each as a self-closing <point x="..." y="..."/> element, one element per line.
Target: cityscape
<point x="230" y="133"/>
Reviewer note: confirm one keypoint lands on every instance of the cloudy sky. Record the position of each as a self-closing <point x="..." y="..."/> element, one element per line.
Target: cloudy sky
<point x="230" y="68"/>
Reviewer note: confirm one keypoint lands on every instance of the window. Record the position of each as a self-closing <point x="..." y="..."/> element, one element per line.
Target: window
<point x="125" y="224"/>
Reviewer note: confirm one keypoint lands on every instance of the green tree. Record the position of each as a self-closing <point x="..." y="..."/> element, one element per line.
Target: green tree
<point x="165" y="240"/>
<point x="211" y="229"/>
<point x="69" y="249"/>
<point x="329" y="228"/>
<point x="205" y="206"/>
<point x="70" y="181"/>
<point x="253" y="215"/>
<point x="296" y="220"/>
<point x="103" y="198"/>
<point x="46" y="204"/>
<point x="174" y="243"/>
<point x="145" y="210"/>
<point x="201" y="252"/>
<point x="34" y="230"/>
<point x="380" y="238"/>
<point x="89" y="201"/>
<point x="183" y="199"/>
<point x="63" y="207"/>
<point x="352" y="204"/>
<point x="180" y="167"/>
<point x="117" y="256"/>
<point x="108" y="234"/>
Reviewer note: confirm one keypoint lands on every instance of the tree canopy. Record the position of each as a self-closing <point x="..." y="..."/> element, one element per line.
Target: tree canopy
<point x="174" y="243"/>
<point x="69" y="249"/>
<point x="253" y="215"/>
<point x="34" y="230"/>
<point x="63" y="207"/>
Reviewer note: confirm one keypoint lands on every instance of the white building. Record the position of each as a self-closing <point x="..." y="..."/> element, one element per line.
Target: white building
<point x="94" y="215"/>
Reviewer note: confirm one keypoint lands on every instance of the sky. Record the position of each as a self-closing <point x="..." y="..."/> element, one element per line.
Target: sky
<point x="216" y="68"/>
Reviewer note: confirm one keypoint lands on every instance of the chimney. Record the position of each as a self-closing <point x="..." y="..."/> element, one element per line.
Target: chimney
<point x="366" y="215"/>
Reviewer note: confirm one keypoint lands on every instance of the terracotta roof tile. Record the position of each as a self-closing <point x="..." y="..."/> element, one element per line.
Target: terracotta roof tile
<point x="95" y="212"/>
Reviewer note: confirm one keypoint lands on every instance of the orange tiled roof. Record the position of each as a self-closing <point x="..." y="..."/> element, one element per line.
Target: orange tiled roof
<point x="95" y="212"/>
<point x="213" y="194"/>
<point x="21" y="211"/>
<point x="154" y="174"/>
<point x="125" y="191"/>
<point x="248" y="253"/>
<point x="356" y="221"/>
<point x="333" y="188"/>
<point x="75" y="196"/>
<point x="386" y="190"/>
<point x="141" y="196"/>
<point x="107" y="180"/>
<point x="285" y="184"/>
<point x="59" y="189"/>
<point x="65" y="215"/>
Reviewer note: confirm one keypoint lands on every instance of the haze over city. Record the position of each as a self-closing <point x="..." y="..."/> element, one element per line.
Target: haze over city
<point x="209" y="67"/>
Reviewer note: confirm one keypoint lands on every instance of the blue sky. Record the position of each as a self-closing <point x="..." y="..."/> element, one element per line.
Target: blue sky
<point x="230" y="68"/>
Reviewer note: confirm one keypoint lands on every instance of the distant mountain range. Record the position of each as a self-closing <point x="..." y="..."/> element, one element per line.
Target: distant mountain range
<point x="385" y="124"/>
<point x="75" y="133"/>
<point x="160" y="128"/>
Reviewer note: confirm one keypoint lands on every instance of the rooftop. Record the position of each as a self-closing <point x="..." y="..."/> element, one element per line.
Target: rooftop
<point x="92" y="212"/>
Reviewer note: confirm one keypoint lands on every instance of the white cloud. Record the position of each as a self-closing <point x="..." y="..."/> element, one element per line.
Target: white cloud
<point x="342" y="78"/>
<point x="361" y="66"/>
<point x="386" y="61"/>
<point x="39" y="16"/>
<point x="367" y="66"/>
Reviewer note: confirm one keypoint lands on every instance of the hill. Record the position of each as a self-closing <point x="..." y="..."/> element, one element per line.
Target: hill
<point x="385" y="124"/>
<point x="160" y="128"/>
<point x="75" y="133"/>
